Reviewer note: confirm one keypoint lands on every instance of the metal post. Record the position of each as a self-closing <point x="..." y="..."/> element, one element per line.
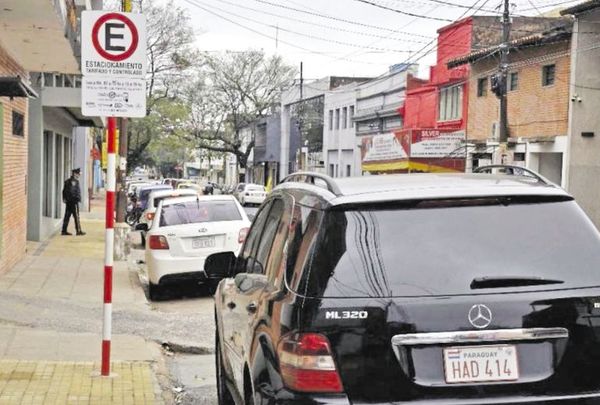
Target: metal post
<point x="504" y="72"/>
<point x="122" y="172"/>
<point x="109" y="245"/>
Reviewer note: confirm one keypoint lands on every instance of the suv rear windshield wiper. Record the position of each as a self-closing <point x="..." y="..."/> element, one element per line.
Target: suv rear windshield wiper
<point x="510" y="281"/>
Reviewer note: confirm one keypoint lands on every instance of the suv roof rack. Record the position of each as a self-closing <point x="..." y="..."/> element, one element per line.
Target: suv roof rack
<point x="513" y="170"/>
<point x="310" y="177"/>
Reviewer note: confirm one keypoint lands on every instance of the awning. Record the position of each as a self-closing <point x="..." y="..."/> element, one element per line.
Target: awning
<point x="14" y="86"/>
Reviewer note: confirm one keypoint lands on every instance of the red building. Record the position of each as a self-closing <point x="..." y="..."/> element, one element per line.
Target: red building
<point x="434" y="113"/>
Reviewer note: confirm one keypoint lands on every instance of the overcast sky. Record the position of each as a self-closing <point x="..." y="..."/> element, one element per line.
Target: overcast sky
<point x="365" y="44"/>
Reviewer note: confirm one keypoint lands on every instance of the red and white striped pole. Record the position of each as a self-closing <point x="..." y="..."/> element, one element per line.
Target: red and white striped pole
<point x="109" y="245"/>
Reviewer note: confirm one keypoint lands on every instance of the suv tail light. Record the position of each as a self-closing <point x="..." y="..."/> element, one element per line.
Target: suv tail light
<point x="307" y="364"/>
<point x="242" y="235"/>
<point x="150" y="216"/>
<point x="158" y="242"/>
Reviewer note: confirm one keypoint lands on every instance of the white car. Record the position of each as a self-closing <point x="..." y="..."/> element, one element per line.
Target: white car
<point x="154" y="199"/>
<point x="252" y="194"/>
<point x="186" y="230"/>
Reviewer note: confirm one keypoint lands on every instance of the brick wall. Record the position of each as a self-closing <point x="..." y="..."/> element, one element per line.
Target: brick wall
<point x="533" y="110"/>
<point x="14" y="167"/>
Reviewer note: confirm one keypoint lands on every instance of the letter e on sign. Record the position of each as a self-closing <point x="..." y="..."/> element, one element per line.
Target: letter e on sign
<point x="113" y="44"/>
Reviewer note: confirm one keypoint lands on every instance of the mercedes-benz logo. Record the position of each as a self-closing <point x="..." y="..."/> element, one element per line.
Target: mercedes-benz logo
<point x="480" y="316"/>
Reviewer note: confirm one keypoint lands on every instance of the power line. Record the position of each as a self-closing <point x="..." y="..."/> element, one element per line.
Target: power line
<point x="191" y="2"/>
<point x="341" y="19"/>
<point x="303" y="34"/>
<point x="448" y="3"/>
<point x="562" y="3"/>
<point x="328" y="27"/>
<point x="395" y="10"/>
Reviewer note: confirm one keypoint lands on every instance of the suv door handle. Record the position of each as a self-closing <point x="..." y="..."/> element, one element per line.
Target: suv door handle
<point x="252" y="307"/>
<point x="231" y="305"/>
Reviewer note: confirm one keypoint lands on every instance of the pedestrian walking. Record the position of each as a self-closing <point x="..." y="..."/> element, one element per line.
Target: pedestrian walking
<point x="72" y="197"/>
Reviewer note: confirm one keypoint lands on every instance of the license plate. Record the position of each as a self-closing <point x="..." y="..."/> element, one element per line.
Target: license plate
<point x="476" y="364"/>
<point x="201" y="243"/>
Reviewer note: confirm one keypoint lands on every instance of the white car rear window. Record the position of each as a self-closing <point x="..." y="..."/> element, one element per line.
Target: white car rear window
<point x="194" y="212"/>
<point x="255" y="188"/>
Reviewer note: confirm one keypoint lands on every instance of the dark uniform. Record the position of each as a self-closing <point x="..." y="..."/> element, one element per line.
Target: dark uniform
<point x="72" y="197"/>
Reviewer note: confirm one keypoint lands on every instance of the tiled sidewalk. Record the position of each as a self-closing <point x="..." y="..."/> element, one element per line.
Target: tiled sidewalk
<point x="49" y="383"/>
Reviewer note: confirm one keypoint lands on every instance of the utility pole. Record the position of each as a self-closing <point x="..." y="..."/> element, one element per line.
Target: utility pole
<point x="503" y="72"/>
<point x="301" y="80"/>
<point x="121" y="227"/>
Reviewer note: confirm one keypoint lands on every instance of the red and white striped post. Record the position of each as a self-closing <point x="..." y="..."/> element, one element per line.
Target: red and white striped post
<point x="109" y="245"/>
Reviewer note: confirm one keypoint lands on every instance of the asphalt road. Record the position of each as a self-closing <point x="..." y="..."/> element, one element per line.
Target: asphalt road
<point x="191" y="369"/>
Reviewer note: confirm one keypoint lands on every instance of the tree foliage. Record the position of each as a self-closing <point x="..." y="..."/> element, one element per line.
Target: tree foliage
<point x="171" y="58"/>
<point x="231" y="91"/>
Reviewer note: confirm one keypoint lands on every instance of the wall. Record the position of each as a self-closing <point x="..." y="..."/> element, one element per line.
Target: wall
<point x="533" y="110"/>
<point x="421" y="106"/>
<point x="335" y="141"/>
<point x="584" y="153"/>
<point x="13" y="173"/>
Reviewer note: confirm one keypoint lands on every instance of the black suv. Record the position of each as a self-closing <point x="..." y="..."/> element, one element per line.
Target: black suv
<point x="421" y="288"/>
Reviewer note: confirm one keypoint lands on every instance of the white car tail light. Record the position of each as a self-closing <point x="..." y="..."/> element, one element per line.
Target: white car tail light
<point x="307" y="363"/>
<point x="158" y="242"/>
<point x="242" y="235"/>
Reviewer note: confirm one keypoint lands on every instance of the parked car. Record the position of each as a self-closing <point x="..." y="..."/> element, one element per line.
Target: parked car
<point x="144" y="193"/>
<point x="421" y="288"/>
<point x="154" y="199"/>
<point x="186" y="230"/>
<point x="251" y="194"/>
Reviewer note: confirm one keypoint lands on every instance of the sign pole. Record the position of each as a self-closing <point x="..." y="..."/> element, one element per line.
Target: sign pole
<point x="109" y="245"/>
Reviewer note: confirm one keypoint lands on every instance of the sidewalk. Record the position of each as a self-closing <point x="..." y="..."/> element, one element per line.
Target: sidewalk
<point x="49" y="305"/>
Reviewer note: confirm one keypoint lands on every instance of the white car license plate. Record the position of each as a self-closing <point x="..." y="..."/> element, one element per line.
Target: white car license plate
<point x="201" y="243"/>
<point x="475" y="364"/>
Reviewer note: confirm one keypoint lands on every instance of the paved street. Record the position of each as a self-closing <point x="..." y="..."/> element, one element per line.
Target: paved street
<point x="51" y="312"/>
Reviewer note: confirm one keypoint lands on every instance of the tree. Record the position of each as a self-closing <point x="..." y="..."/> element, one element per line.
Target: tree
<point x="229" y="94"/>
<point x="156" y="138"/>
<point x="171" y="57"/>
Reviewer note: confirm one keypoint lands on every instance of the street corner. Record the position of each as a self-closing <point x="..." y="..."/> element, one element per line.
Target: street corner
<point x="56" y="382"/>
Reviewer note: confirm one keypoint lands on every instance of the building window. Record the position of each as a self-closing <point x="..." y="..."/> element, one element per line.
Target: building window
<point x="18" y="124"/>
<point x="348" y="170"/>
<point x="330" y="120"/>
<point x="345" y="117"/>
<point x="548" y="75"/>
<point x="482" y="86"/>
<point x="337" y="118"/>
<point x="331" y="170"/>
<point x="450" y="106"/>
<point x="351" y="116"/>
<point x="513" y="83"/>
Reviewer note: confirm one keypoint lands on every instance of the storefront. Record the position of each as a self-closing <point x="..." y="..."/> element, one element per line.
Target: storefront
<point x="414" y="150"/>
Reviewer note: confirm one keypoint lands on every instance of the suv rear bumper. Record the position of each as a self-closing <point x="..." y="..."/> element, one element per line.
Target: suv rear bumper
<point x="285" y="397"/>
<point x="583" y="399"/>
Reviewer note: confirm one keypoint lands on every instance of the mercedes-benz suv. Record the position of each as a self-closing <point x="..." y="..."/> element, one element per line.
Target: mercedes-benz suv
<point x="421" y="288"/>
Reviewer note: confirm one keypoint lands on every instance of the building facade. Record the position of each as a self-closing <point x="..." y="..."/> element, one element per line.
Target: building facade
<point x="538" y="103"/>
<point x="23" y="50"/>
<point x="378" y="121"/>
<point x="340" y="148"/>
<point x="61" y="139"/>
<point x="584" y="120"/>
<point x="303" y="123"/>
<point x="267" y="149"/>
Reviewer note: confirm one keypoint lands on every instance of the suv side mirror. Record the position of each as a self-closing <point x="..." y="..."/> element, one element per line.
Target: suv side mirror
<point x="141" y="227"/>
<point x="219" y="265"/>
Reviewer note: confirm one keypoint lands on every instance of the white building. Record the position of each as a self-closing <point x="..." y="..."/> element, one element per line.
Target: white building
<point x="340" y="148"/>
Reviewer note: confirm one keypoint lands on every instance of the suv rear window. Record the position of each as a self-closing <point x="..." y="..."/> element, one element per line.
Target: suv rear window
<point x="435" y="251"/>
<point x="194" y="212"/>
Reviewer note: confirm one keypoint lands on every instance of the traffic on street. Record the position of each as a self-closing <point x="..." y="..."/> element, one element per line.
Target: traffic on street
<point x="284" y="202"/>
